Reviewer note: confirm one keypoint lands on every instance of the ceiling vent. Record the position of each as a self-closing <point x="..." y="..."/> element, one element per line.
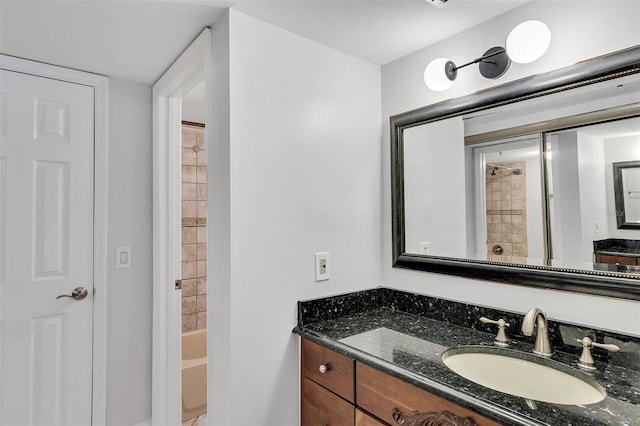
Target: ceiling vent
<point x="438" y="3"/>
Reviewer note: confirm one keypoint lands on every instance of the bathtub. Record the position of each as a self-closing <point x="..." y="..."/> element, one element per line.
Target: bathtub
<point x="194" y="374"/>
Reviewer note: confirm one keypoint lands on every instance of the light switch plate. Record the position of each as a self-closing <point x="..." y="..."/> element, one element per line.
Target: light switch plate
<point x="123" y="257"/>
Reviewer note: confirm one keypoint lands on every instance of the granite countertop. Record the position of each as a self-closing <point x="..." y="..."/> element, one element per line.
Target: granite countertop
<point x="617" y="247"/>
<point x="404" y="335"/>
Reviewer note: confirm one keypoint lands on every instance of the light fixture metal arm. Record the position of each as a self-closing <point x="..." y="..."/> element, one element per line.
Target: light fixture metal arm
<point x="487" y="55"/>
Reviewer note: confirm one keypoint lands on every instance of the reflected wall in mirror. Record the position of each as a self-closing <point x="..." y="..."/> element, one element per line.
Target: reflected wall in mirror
<point x="626" y="181"/>
<point x="516" y="183"/>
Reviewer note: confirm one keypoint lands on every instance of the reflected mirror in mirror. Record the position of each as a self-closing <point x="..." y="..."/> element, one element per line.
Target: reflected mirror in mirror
<point x="626" y="182"/>
<point x="531" y="183"/>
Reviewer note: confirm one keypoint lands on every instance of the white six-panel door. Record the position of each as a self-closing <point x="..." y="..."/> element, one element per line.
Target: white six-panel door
<point x="46" y="250"/>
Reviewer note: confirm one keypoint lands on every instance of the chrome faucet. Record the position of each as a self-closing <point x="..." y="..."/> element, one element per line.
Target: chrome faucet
<point x="537" y="318"/>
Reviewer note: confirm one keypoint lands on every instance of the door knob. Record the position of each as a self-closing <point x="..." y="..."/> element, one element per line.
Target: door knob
<point x="78" y="293"/>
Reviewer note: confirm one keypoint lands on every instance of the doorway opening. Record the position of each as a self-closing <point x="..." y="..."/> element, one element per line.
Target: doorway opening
<point x="193" y="202"/>
<point x="186" y="73"/>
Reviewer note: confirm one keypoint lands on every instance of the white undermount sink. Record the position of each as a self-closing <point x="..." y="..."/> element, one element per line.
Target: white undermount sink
<point x="525" y="375"/>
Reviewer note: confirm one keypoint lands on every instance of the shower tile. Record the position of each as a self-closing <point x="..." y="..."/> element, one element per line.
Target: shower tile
<point x="495" y="186"/>
<point x="189" y="174"/>
<point x="505" y="195"/>
<point x="189" y="138"/>
<point x="517" y="204"/>
<point x="189" y="322"/>
<point x="201" y="320"/>
<point x="201" y="234"/>
<point x="188" y="288"/>
<point x="201" y="174"/>
<point x="188" y="270"/>
<point x="189" y="234"/>
<point x="189" y="191"/>
<point x="201" y="192"/>
<point x="506" y="205"/>
<point x="201" y="207"/>
<point x="188" y="157"/>
<point x="202" y="251"/>
<point x="516" y="218"/>
<point x="189" y="252"/>
<point x="506" y="218"/>
<point x="200" y="138"/>
<point x="189" y="209"/>
<point x="518" y="228"/>
<point x="506" y="228"/>
<point x="201" y="157"/>
<point x="494" y="227"/>
<point x="189" y="305"/>
<point x="201" y="286"/>
<point x="518" y="249"/>
<point x="518" y="238"/>
<point x="201" y="268"/>
<point x="201" y="303"/>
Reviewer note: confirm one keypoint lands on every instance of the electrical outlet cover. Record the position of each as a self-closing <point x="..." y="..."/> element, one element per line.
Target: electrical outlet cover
<point x="322" y="266"/>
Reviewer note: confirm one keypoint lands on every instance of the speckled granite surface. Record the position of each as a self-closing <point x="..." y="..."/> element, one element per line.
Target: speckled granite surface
<point x="354" y="324"/>
<point x="617" y="246"/>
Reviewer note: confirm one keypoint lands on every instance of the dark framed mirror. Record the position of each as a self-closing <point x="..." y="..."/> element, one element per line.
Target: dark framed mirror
<point x="626" y="182"/>
<point x="441" y="217"/>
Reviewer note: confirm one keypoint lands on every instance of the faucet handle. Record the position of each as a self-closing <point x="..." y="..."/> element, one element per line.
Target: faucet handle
<point x="586" y="360"/>
<point x="501" y="338"/>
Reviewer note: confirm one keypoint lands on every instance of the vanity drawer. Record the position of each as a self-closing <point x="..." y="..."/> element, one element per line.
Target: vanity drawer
<point x="622" y="260"/>
<point x="381" y="395"/>
<point x="338" y="376"/>
<point x="321" y="407"/>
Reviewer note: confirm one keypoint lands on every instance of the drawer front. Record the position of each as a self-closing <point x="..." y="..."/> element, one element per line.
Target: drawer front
<point x="622" y="260"/>
<point x="321" y="407"/>
<point x="338" y="375"/>
<point x="363" y="419"/>
<point x="393" y="400"/>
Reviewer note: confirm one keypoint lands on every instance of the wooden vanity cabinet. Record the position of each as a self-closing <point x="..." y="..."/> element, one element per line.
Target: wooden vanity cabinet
<point x="338" y="391"/>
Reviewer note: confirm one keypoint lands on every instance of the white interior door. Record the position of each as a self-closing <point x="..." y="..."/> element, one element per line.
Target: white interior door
<point x="46" y="250"/>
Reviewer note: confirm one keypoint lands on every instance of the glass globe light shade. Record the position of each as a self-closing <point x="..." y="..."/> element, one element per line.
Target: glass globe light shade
<point x="528" y="41"/>
<point x="435" y="77"/>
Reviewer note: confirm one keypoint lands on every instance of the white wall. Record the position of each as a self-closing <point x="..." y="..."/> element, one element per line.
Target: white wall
<point x="593" y="194"/>
<point x="433" y="209"/>
<point x="580" y="30"/>
<point x="304" y="177"/>
<point x="129" y="290"/>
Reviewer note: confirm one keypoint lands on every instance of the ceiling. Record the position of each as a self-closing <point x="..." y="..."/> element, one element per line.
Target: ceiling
<point x="138" y="40"/>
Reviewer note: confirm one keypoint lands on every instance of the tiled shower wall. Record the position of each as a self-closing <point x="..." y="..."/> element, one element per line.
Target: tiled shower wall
<point x="194" y="228"/>
<point x="506" y="198"/>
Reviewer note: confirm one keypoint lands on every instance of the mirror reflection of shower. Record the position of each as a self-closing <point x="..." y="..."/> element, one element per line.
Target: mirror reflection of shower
<point x="508" y="194"/>
<point x="497" y="167"/>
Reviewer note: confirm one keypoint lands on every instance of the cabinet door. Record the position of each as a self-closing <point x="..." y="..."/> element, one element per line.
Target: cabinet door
<point x="363" y="419"/>
<point x="322" y="407"/>
<point x="397" y="402"/>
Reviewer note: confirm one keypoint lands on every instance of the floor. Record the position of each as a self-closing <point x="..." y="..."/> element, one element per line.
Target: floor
<point x="196" y="421"/>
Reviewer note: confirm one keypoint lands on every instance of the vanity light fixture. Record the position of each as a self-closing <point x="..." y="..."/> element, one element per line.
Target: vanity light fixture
<point x="527" y="42"/>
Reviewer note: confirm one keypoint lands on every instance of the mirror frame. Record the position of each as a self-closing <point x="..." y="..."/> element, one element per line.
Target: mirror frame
<point x="600" y="283"/>
<point x="618" y="188"/>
